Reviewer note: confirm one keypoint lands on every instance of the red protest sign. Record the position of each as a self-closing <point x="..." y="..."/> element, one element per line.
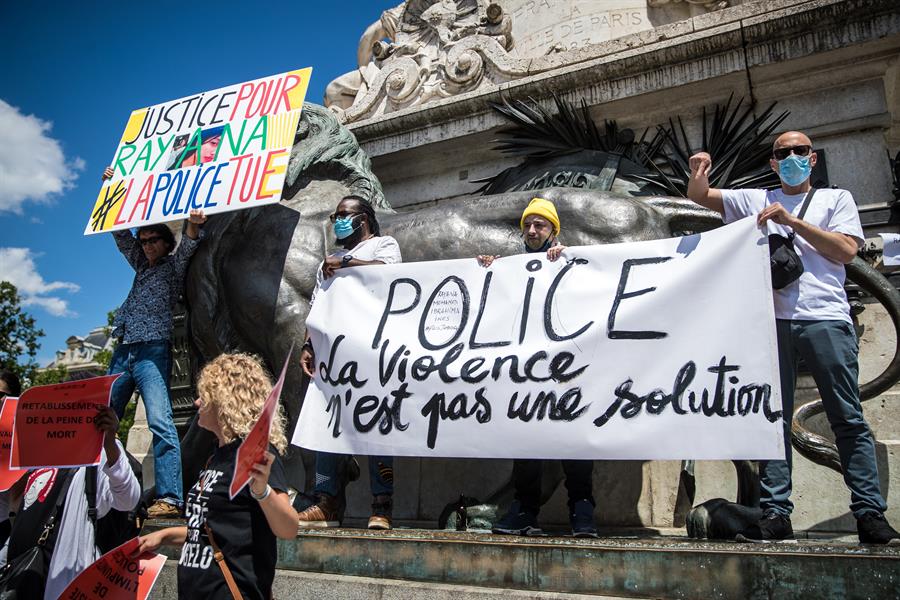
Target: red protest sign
<point x="257" y="441"/>
<point x="7" y="416"/>
<point x="54" y="425"/>
<point x="117" y="576"/>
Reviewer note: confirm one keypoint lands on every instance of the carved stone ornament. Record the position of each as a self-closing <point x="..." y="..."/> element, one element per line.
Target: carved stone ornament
<point x="424" y="50"/>
<point x="435" y="49"/>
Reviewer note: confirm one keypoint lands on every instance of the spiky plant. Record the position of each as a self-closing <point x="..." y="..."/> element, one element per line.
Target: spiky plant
<point x="538" y="134"/>
<point x="738" y="143"/>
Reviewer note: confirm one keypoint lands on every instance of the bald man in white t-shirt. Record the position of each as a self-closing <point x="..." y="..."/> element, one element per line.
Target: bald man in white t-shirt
<point x="813" y="323"/>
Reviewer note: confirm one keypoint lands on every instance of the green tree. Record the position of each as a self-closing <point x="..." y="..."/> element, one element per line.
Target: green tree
<point x="50" y="375"/>
<point x="18" y="335"/>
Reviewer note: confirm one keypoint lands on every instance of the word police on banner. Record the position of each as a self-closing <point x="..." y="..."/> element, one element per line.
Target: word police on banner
<point x="648" y="350"/>
<point x="218" y="151"/>
<point x="54" y="424"/>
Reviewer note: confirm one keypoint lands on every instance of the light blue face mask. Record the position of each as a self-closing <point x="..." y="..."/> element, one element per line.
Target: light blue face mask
<point x="794" y="169"/>
<point x="343" y="227"/>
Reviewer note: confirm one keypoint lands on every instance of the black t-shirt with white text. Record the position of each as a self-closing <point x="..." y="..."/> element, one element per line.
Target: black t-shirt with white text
<point x="239" y="527"/>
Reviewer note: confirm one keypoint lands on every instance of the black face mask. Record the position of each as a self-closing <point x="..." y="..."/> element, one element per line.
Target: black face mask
<point x="544" y="247"/>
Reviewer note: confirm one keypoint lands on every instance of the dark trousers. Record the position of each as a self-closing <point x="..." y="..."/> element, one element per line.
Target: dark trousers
<point x="527" y="479"/>
<point x="830" y="351"/>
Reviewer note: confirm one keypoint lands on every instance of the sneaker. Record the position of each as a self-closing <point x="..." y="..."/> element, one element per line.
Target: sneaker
<point x="163" y="510"/>
<point x="517" y="522"/>
<point x="581" y="517"/>
<point x="322" y="514"/>
<point x="382" y="506"/>
<point x="773" y="527"/>
<point x="873" y="528"/>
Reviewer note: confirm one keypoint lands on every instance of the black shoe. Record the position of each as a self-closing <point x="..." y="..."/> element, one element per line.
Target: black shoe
<point x="517" y="522"/>
<point x="581" y="516"/>
<point x="873" y="528"/>
<point x="773" y="527"/>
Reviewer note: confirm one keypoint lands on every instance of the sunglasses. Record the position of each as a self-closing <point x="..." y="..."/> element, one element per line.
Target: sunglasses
<point x="783" y="153"/>
<point x="340" y="215"/>
<point x="150" y="240"/>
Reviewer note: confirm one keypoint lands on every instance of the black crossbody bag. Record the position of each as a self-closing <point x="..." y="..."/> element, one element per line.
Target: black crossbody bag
<point x="786" y="264"/>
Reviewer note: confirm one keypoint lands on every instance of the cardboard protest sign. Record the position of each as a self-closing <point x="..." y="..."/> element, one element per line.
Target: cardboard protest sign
<point x="257" y="441"/>
<point x="54" y="424"/>
<point x="117" y="576"/>
<point x="891" y="254"/>
<point x="218" y="151"/>
<point x="660" y="349"/>
<point x="7" y="417"/>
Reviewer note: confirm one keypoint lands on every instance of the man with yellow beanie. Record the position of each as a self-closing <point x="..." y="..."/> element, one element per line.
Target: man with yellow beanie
<point x="540" y="228"/>
<point x="540" y="231"/>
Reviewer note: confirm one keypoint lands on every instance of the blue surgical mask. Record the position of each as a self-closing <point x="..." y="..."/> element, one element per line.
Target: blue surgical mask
<point x="794" y="169"/>
<point x="343" y="227"/>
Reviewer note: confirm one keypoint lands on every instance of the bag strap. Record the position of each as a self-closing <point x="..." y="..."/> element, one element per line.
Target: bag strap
<point x="802" y="212"/>
<point x="90" y="492"/>
<point x="806" y="202"/>
<point x="220" y="559"/>
<point x="50" y="525"/>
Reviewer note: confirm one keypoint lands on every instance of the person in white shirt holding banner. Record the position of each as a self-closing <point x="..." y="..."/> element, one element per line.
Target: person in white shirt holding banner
<point x="813" y="323"/>
<point x="357" y="231"/>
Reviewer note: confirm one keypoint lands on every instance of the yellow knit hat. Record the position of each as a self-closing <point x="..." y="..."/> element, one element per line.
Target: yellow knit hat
<point x="541" y="208"/>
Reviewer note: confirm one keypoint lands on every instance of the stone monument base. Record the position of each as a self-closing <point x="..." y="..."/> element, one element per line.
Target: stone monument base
<point x="414" y="563"/>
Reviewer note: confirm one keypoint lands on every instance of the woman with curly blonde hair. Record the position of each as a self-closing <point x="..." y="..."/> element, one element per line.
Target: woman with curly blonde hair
<point x="231" y="392"/>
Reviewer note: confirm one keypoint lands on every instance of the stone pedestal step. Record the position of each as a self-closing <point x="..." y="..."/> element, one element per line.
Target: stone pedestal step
<point x="644" y="566"/>
<point x="297" y="585"/>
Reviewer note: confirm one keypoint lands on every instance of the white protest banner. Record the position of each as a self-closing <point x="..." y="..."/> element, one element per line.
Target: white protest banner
<point x="648" y="350"/>
<point x="218" y="151"/>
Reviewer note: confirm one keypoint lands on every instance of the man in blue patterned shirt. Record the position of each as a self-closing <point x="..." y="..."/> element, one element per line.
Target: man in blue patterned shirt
<point x="143" y="326"/>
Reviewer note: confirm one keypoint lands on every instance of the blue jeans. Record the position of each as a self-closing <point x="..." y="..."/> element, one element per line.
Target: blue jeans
<point x="830" y="351"/>
<point x="146" y="365"/>
<point x="381" y="474"/>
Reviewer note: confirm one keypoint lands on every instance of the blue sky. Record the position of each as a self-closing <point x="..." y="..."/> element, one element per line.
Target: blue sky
<point x="72" y="72"/>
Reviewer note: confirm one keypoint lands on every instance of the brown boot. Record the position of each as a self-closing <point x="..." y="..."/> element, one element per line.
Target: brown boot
<point x="163" y="510"/>
<point x="382" y="507"/>
<point x="322" y="514"/>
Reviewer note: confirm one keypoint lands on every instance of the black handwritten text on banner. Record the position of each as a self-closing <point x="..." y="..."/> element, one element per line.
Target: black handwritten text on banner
<point x="648" y="350"/>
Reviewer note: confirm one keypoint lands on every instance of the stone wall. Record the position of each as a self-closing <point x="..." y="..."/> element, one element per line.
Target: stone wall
<point x="540" y="27"/>
<point x="832" y="63"/>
